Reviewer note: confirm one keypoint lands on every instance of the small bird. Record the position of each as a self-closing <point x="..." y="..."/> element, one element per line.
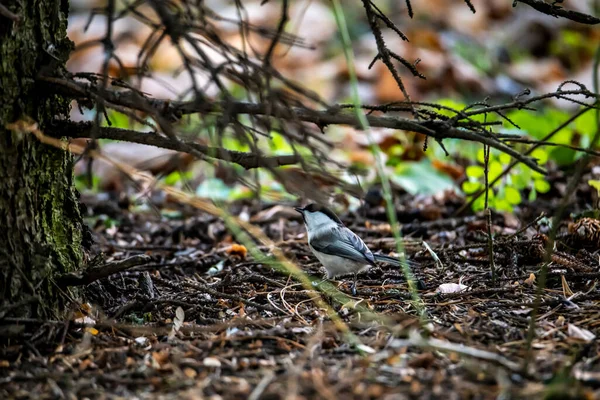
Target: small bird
<point x="339" y="249"/>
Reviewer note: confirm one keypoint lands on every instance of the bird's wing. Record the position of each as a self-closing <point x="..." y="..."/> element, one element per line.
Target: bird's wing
<point x="348" y="245"/>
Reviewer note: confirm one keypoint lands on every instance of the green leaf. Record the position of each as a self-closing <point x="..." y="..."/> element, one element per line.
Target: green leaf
<point x="542" y="186"/>
<point x="474" y="171"/>
<point x="395" y="150"/>
<point x="563" y="156"/>
<point x="451" y="104"/>
<point x="537" y="175"/>
<point x="117" y="120"/>
<point x="504" y="158"/>
<point x="495" y="169"/>
<point x="532" y="195"/>
<point x="471" y="187"/>
<point x="595" y="184"/>
<point x="479" y="204"/>
<point x="176" y="176"/>
<point x="502" y="205"/>
<point x="521" y="179"/>
<point x="480" y="156"/>
<point x="421" y="178"/>
<point x="232" y="143"/>
<point x="538" y="124"/>
<point x="279" y="144"/>
<point x="586" y="124"/>
<point x="541" y="155"/>
<point x="512" y="196"/>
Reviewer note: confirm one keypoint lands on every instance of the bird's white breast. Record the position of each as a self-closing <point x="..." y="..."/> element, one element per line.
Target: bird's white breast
<point x="335" y="265"/>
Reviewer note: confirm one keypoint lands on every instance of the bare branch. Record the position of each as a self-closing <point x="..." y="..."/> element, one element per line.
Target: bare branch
<point x="246" y="160"/>
<point x="555" y="11"/>
<point x="439" y="129"/>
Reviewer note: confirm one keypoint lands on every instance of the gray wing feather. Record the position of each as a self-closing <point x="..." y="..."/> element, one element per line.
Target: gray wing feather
<point x="348" y="245"/>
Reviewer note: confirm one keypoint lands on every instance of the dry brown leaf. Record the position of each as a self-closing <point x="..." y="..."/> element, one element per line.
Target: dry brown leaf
<point x="567" y="292"/>
<point x="237" y="250"/>
<point x="190" y="372"/>
<point x="386" y="88"/>
<point x="537" y="72"/>
<point x="161" y="357"/>
<point x="453" y="170"/>
<point x="459" y="328"/>
<point x="92" y="331"/>
<point x="531" y="280"/>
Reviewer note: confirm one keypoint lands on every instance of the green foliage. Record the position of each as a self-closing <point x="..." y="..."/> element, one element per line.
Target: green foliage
<point x="421" y="177"/>
<point x="117" y="120"/>
<point x="82" y="184"/>
<point x="176" y="177"/>
<point x="595" y="184"/>
<point x="539" y="125"/>
<point x="506" y="193"/>
<point x="573" y="46"/>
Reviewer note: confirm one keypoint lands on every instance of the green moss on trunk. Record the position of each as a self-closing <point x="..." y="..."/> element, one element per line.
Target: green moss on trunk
<point x="40" y="222"/>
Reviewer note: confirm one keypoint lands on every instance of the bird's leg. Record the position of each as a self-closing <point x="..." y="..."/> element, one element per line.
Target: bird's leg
<point x="354" y="284"/>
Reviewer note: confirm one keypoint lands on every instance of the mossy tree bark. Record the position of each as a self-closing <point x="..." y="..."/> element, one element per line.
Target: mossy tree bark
<point x="40" y="222"/>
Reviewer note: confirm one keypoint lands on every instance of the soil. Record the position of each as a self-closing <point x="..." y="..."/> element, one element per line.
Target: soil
<point x="199" y="317"/>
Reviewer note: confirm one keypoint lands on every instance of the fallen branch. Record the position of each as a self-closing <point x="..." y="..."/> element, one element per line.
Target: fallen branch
<point x="87" y="276"/>
<point x="415" y="339"/>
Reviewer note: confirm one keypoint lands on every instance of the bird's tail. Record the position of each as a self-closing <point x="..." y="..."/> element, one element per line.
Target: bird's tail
<point x="393" y="260"/>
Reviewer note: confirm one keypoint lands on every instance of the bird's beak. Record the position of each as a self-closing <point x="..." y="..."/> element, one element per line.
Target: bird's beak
<point x="300" y="210"/>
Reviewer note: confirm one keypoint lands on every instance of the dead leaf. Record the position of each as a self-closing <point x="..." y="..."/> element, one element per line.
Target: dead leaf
<point x="177" y="322"/>
<point x="190" y="372"/>
<point x="580" y="333"/>
<point x="237" y="250"/>
<point x="531" y="280"/>
<point x="453" y="170"/>
<point x="274" y="213"/>
<point x="446" y="288"/>
<point x="567" y="292"/>
<point x="459" y="328"/>
<point x="211" y="362"/>
<point x="87" y="364"/>
<point x="92" y="331"/>
<point x="424" y="360"/>
<point x="161" y="357"/>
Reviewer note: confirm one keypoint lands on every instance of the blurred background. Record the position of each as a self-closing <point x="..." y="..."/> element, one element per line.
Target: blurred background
<point x="493" y="55"/>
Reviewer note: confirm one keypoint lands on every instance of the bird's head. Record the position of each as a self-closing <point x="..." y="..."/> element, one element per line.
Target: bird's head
<point x="315" y="215"/>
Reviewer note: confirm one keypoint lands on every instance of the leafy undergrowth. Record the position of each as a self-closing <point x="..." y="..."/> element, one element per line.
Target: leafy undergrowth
<point x="201" y="318"/>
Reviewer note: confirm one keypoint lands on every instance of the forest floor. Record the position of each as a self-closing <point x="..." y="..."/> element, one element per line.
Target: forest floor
<point x="198" y="317"/>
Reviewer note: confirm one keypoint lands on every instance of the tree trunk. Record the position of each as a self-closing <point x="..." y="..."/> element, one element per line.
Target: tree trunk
<point x="41" y="227"/>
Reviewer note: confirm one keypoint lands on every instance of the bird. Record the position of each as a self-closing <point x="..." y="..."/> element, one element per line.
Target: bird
<point x="340" y="250"/>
